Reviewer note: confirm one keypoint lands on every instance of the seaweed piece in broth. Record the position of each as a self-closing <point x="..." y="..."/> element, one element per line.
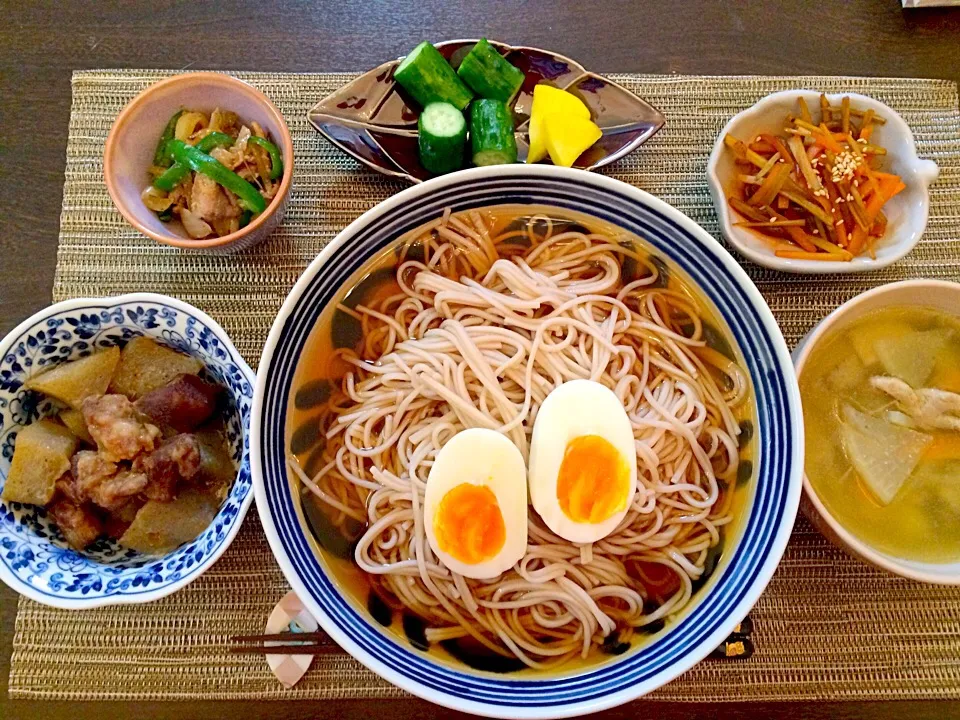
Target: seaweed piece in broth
<point x="379" y="610"/>
<point x="330" y="537"/>
<point x="474" y="655"/>
<point x="312" y="394"/>
<point x="709" y="566"/>
<point x="416" y="631"/>
<point x="305" y="436"/>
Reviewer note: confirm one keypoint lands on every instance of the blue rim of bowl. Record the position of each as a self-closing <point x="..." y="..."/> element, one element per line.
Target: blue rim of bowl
<point x="147" y="595"/>
<point x="776" y="488"/>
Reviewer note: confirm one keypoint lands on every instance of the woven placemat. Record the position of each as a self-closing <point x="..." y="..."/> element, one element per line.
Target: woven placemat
<point x="827" y="627"/>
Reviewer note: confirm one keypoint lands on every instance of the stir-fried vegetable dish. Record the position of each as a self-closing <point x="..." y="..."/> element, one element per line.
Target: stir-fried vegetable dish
<point x="815" y="191"/>
<point x="213" y="173"/>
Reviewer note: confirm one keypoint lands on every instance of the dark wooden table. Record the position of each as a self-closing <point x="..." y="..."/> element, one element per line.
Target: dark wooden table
<point x="42" y="42"/>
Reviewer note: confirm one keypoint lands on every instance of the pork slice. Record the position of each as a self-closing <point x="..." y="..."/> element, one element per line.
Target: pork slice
<point x="66" y="488"/>
<point x="120" y="431"/>
<point x="104" y="482"/>
<point x="172" y="464"/>
<point x="79" y="525"/>
<point x="184" y="403"/>
<point x="207" y="199"/>
<point x="89" y="469"/>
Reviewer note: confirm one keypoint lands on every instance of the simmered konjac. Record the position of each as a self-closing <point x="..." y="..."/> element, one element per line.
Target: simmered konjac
<point x="136" y="453"/>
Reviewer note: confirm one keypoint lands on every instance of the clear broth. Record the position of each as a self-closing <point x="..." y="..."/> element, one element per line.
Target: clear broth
<point x="922" y="522"/>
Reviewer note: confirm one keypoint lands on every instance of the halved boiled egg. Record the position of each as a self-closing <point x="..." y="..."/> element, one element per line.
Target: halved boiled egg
<point x="583" y="461"/>
<point x="475" y="506"/>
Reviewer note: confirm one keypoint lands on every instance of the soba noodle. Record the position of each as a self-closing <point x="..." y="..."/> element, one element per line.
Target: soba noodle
<point x="483" y="328"/>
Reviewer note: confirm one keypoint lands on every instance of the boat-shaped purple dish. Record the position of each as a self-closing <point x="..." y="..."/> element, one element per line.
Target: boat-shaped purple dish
<point x="373" y="120"/>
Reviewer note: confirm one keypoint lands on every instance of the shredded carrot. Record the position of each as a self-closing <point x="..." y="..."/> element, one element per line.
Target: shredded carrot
<point x="829" y="142"/>
<point x="885" y="176"/>
<point x="801" y="255"/>
<point x="858" y="239"/>
<point x="801" y="238"/>
<point x="762" y="148"/>
<point x="772" y="185"/>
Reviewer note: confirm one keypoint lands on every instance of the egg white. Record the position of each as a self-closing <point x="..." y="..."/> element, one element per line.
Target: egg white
<point x="481" y="457"/>
<point x="574" y="409"/>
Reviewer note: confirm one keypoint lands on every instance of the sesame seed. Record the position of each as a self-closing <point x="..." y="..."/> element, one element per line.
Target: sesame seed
<point x="758" y="139"/>
<point x="849" y="198"/>
<point x="816" y="232"/>
<point x="840" y="221"/>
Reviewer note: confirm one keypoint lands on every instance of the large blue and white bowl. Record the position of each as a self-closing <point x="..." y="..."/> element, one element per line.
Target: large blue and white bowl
<point x="35" y="560"/>
<point x="748" y="560"/>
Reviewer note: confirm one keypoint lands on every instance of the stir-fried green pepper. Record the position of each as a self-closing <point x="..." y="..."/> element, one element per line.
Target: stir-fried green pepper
<point x="247" y="195"/>
<point x="173" y="176"/>
<point x="213" y="140"/>
<point x="161" y="157"/>
<point x="245" y="218"/>
<point x="276" y="160"/>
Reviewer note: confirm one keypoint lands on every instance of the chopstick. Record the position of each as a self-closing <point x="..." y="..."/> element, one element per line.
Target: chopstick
<point x="286" y="637"/>
<point x="285" y="649"/>
<point x="288" y="643"/>
<point x="738" y="646"/>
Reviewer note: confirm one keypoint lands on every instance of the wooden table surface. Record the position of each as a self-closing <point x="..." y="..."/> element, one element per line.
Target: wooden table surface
<point x="42" y="42"/>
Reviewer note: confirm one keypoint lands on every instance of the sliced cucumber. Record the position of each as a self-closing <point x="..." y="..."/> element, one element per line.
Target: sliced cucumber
<point x="491" y="133"/>
<point x="443" y="135"/>
<point x="428" y="77"/>
<point x="489" y="74"/>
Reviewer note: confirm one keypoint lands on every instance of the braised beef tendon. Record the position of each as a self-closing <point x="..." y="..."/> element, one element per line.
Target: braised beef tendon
<point x="138" y="454"/>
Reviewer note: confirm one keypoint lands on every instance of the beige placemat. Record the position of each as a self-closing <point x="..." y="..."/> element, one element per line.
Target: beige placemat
<point x="827" y="627"/>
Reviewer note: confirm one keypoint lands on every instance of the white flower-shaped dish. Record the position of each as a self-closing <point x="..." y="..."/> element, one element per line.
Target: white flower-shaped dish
<point x="34" y="558"/>
<point x="906" y="213"/>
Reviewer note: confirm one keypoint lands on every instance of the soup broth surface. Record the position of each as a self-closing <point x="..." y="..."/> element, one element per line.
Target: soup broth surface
<point x="860" y="439"/>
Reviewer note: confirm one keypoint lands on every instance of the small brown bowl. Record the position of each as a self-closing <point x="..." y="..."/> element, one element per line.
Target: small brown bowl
<point x="133" y="140"/>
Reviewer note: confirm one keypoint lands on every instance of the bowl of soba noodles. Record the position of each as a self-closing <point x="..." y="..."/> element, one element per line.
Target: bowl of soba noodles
<point x="527" y="441"/>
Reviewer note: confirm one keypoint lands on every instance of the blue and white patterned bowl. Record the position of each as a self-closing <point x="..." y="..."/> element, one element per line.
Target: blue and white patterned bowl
<point x="34" y="558"/>
<point x="747" y="563"/>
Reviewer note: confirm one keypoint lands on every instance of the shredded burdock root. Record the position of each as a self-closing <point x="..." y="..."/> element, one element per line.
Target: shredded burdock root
<point x="815" y="191"/>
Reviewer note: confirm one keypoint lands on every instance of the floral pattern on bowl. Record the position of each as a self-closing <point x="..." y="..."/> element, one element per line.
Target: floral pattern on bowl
<point x="371" y="119"/>
<point x="34" y="558"/>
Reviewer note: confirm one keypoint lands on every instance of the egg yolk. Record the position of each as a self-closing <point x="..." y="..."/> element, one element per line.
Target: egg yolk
<point x="594" y="480"/>
<point x="468" y="524"/>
